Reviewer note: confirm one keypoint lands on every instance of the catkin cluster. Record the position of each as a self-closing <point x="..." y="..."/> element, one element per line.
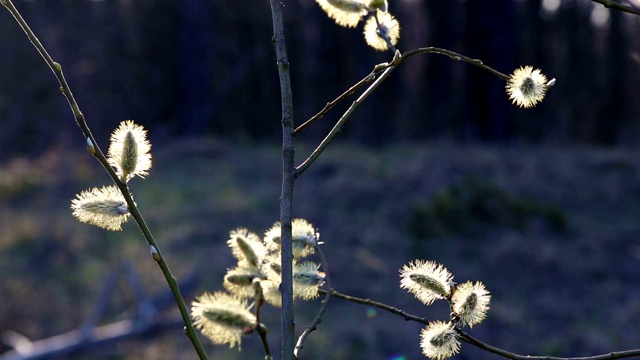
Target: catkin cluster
<point x="225" y="317"/>
<point x="129" y="157"/>
<point x="381" y="30"/>
<point x="469" y="303"/>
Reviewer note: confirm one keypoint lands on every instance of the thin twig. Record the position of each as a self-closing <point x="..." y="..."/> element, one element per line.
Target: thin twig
<point x="337" y="127"/>
<point x="56" y="68"/>
<point x="366" y="80"/>
<point x="455" y="56"/>
<point x="397" y="60"/>
<point x="260" y="329"/>
<point x="482" y="345"/>
<point x="615" y="5"/>
<point x="473" y="341"/>
<point x="378" y="69"/>
<point x="288" y="180"/>
<point x="378" y="305"/>
<point x="314" y="324"/>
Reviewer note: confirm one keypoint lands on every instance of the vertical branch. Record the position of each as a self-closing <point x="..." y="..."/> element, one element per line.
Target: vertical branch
<point x="288" y="179"/>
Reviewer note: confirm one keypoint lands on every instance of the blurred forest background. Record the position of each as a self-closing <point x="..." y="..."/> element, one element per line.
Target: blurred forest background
<point x="543" y="205"/>
<point x="205" y="67"/>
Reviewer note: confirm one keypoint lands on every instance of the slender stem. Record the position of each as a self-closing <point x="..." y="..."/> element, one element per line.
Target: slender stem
<point x="473" y="341"/>
<point x="288" y="180"/>
<point x="397" y="60"/>
<point x="366" y="80"/>
<point x="337" y="127"/>
<point x="133" y="209"/>
<point x="260" y="328"/>
<point x="262" y="331"/>
<point x="615" y="5"/>
<point x="314" y="324"/>
<point x="376" y="304"/>
<point x="455" y="56"/>
<point x="612" y="355"/>
<point x="388" y="68"/>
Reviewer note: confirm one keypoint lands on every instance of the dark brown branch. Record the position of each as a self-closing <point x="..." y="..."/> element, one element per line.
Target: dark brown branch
<point x="288" y="180"/>
<point x="378" y="305"/>
<point x="455" y="56"/>
<point x="385" y="70"/>
<point x="388" y="68"/>
<point x="381" y="67"/>
<point x="617" y="6"/>
<point x="259" y="327"/>
<point x="473" y="341"/>
<point x="612" y="355"/>
<point x="367" y="80"/>
<point x="263" y="332"/>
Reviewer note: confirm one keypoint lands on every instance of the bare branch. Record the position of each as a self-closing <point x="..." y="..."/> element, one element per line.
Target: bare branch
<point x="455" y="56"/>
<point x="338" y="126"/>
<point x="617" y="6"/>
<point x="366" y="80"/>
<point x="288" y="180"/>
<point x="397" y="60"/>
<point x="482" y="345"/>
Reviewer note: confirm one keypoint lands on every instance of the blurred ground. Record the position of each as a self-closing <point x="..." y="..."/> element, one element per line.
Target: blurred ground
<point x="552" y="232"/>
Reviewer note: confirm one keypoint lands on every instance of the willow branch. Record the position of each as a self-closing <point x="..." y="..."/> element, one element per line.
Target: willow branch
<point x="288" y="180"/>
<point x="56" y="68"/>
<point x="482" y="345"/>
<point x="262" y="332"/>
<point x="338" y="126"/>
<point x="259" y="327"/>
<point x="455" y="56"/>
<point x="366" y="80"/>
<point x="473" y="341"/>
<point x="397" y="60"/>
<point x="376" y="304"/>
<point x="617" y="6"/>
